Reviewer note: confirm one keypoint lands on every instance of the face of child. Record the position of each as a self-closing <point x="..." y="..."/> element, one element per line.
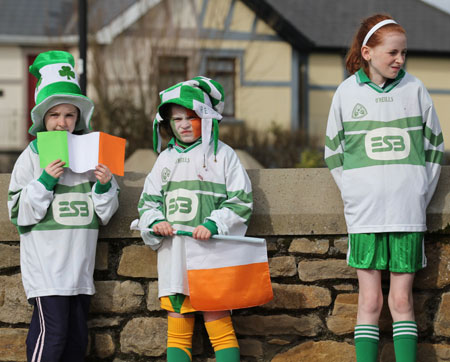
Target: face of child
<point x="62" y="117"/>
<point x="387" y="58"/>
<point x="185" y="124"/>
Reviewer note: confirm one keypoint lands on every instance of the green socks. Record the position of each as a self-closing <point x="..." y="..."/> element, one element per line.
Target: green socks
<point x="366" y="342"/>
<point x="405" y="341"/>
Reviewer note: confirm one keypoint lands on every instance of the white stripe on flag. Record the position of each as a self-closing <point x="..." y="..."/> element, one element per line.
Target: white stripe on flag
<point x="222" y="254"/>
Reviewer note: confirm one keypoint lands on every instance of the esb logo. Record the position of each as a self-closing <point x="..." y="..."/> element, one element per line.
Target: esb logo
<point x="73" y="209"/>
<point x="388" y="143"/>
<point x="181" y="205"/>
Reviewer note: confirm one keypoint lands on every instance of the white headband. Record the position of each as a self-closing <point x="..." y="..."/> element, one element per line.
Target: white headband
<point x="376" y="27"/>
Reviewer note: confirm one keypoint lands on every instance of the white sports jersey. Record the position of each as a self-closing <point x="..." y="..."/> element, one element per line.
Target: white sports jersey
<point x="384" y="148"/>
<point x="180" y="190"/>
<point x="58" y="228"/>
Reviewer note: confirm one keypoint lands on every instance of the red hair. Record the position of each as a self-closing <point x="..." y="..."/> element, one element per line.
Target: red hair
<point x="354" y="60"/>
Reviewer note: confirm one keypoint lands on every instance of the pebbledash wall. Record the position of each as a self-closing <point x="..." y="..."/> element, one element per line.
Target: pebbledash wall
<point x="312" y="315"/>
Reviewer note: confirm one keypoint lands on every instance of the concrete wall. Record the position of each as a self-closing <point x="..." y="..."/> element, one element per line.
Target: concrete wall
<point x="312" y="315"/>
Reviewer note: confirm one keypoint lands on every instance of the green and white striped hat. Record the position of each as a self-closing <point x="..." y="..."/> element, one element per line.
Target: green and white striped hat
<point x="57" y="84"/>
<point x="202" y="95"/>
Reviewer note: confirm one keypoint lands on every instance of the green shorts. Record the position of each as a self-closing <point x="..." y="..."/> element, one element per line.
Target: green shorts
<point x="397" y="252"/>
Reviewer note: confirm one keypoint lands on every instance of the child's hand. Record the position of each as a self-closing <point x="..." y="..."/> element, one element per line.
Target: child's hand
<point x="201" y="233"/>
<point x="55" y="168"/>
<point x="163" y="228"/>
<point x="102" y="173"/>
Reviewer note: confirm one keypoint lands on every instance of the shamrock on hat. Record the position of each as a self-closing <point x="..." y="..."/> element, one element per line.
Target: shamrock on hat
<point x="57" y="84"/>
<point x="202" y="95"/>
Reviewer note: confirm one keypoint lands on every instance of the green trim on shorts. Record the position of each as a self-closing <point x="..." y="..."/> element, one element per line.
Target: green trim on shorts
<point x="177" y="301"/>
<point x="398" y="252"/>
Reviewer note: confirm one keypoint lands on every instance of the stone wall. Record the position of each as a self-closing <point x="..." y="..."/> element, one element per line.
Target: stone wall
<point x="312" y="315"/>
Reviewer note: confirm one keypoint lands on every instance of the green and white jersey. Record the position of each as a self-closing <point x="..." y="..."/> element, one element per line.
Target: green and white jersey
<point x="180" y="190"/>
<point x="58" y="228"/>
<point x="384" y="148"/>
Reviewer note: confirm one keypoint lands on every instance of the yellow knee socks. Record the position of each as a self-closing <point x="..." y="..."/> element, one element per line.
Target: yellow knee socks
<point x="179" y="339"/>
<point x="223" y="339"/>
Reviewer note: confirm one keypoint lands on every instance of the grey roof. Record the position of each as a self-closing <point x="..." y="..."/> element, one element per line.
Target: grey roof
<point x="22" y="19"/>
<point x="331" y="24"/>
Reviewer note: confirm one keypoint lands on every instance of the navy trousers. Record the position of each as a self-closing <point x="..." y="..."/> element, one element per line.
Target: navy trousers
<point x="58" y="329"/>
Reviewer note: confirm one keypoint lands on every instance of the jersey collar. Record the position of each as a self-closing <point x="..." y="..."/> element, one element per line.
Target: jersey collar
<point x="361" y="77"/>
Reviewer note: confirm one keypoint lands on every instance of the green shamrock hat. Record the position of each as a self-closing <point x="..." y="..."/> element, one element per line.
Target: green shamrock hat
<point x="57" y="84"/>
<point x="202" y="95"/>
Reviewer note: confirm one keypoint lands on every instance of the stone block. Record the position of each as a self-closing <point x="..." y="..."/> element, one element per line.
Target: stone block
<point x="254" y="325"/>
<point x="282" y="266"/>
<point x="138" y="261"/>
<point x="117" y="297"/>
<point x="152" y="297"/>
<point x="14" y="307"/>
<point x="341" y="245"/>
<point x="426" y="352"/>
<point x="437" y="273"/>
<point x="9" y="256"/>
<point x="323" y="351"/>
<point x="307" y="246"/>
<point x="344" y="287"/>
<point x="251" y="347"/>
<point x="310" y="271"/>
<point x="442" y="322"/>
<point x="101" y="256"/>
<point x="144" y="336"/>
<point x="104" y="345"/>
<point x="12" y="344"/>
<point x="278" y="341"/>
<point x="104" y="322"/>
<point x="294" y="296"/>
<point x="343" y="319"/>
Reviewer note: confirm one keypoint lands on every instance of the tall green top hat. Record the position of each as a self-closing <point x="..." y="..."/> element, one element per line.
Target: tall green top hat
<point x="202" y="95"/>
<point x="57" y="83"/>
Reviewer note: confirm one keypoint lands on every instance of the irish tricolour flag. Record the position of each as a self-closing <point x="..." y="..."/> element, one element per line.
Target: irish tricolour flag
<point x="227" y="274"/>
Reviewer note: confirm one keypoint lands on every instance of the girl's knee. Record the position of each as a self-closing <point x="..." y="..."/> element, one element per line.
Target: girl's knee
<point x="370" y="303"/>
<point x="213" y="316"/>
<point x="400" y="302"/>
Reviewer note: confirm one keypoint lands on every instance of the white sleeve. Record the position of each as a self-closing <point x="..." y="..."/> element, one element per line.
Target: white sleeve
<point x="335" y="141"/>
<point x="28" y="199"/>
<point x="233" y="215"/>
<point x="106" y="204"/>
<point x="433" y="142"/>
<point x="150" y="206"/>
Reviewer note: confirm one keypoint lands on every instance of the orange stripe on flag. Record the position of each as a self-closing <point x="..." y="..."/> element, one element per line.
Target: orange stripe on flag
<point x="229" y="288"/>
<point x="111" y="152"/>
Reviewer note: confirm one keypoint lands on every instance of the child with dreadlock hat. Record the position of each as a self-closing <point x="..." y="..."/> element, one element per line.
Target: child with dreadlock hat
<point x="57" y="213"/>
<point x="197" y="185"/>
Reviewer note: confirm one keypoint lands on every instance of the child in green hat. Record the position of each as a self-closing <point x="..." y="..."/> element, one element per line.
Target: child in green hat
<point x="197" y="185"/>
<point x="57" y="213"/>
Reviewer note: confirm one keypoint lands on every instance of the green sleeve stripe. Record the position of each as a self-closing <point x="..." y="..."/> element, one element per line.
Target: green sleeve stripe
<point x="149" y="198"/>
<point x="240" y="210"/>
<point x="370" y="125"/>
<point x="335" y="161"/>
<point x="434" y="156"/>
<point x="245" y="197"/>
<point x="435" y="140"/>
<point x="334" y="143"/>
